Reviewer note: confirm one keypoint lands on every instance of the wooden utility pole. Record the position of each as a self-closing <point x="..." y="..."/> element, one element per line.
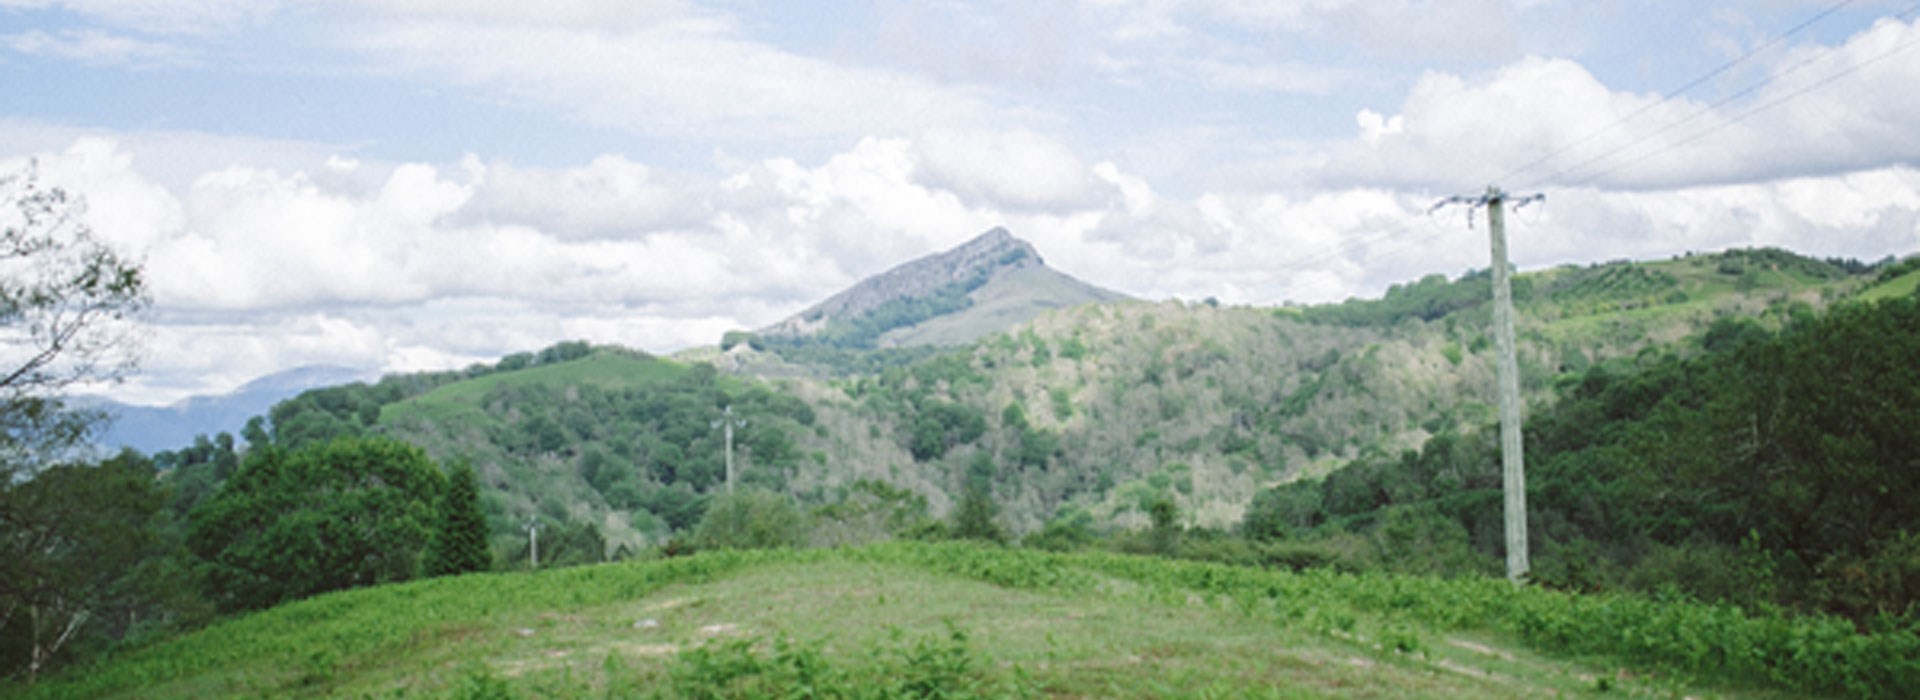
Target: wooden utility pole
<point x="533" y="544"/>
<point x="729" y="422"/>
<point x="1512" y="464"/>
<point x="1507" y="373"/>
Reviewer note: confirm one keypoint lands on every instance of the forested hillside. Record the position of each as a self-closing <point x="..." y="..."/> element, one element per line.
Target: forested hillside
<point x="1754" y="466"/>
<point x="1086" y="414"/>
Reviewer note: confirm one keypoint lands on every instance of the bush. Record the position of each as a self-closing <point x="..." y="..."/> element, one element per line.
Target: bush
<point x="751" y="519"/>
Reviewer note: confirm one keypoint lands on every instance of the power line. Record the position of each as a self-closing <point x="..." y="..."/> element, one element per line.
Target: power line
<point x="1677" y="92"/>
<point x="1340" y="250"/>
<point x="1742" y="116"/>
<point x="1399" y="232"/>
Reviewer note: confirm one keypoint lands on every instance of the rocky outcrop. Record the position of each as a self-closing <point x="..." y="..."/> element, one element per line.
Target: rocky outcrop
<point x="973" y="263"/>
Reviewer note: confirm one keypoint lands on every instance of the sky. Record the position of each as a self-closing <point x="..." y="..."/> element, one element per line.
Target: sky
<point x="408" y="185"/>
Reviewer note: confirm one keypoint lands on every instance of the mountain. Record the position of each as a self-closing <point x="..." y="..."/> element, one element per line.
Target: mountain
<point x="991" y="283"/>
<point x="151" y="429"/>
<point x="1093" y="411"/>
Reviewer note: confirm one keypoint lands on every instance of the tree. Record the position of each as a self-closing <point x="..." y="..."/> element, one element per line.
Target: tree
<point x="290" y="524"/>
<point x="974" y="518"/>
<point x="75" y="539"/>
<point x="459" y="543"/>
<point x="65" y="300"/>
<point x="1165" y="536"/>
<point x="751" y="518"/>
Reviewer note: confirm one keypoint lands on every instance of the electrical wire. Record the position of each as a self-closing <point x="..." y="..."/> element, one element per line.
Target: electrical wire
<point x="1676" y="92"/>
<point x="1400" y="232"/>
<point x="1742" y="116"/>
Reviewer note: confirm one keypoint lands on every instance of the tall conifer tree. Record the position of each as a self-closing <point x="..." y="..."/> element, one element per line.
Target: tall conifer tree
<point x="460" y="535"/>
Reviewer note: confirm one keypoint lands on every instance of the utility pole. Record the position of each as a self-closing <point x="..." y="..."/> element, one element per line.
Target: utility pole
<point x="729" y="422"/>
<point x="533" y="544"/>
<point x="1513" y="473"/>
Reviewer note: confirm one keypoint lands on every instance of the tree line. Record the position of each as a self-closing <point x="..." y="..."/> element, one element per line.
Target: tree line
<point x="1765" y="467"/>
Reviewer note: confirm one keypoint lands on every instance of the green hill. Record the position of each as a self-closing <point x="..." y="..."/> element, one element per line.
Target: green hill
<point x="1727" y="427"/>
<point x="1094" y="409"/>
<point x="605" y="370"/>
<point x="959" y="621"/>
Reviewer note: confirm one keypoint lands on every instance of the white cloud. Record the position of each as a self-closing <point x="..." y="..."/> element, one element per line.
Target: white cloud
<point x="1016" y="168"/>
<point x="1374" y="127"/>
<point x="94" y="47"/>
<point x="123" y="208"/>
<point x="1449" y="29"/>
<point x="162" y="16"/>
<point x="678" y="76"/>
<point x="1825" y="110"/>
<point x="579" y="14"/>
<point x="608" y="197"/>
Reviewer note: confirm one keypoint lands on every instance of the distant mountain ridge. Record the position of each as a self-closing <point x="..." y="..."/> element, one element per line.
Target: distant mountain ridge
<point x="990" y="283"/>
<point x="151" y="429"/>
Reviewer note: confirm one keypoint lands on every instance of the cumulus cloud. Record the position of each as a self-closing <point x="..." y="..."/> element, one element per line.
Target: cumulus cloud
<point x="608" y="197"/>
<point x="1017" y="168"/>
<point x="1548" y="121"/>
<point x="127" y="210"/>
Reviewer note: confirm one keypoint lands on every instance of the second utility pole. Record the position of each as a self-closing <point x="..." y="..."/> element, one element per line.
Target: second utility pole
<point x="1512" y="465"/>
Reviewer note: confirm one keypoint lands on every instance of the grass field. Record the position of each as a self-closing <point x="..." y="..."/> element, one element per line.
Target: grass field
<point x="955" y="620"/>
<point x="1901" y="286"/>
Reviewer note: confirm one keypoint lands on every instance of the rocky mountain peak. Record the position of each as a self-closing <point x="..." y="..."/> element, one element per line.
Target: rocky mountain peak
<point x="971" y="264"/>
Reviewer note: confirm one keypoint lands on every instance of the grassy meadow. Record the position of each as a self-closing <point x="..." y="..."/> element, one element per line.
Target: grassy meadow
<point x="960" y="620"/>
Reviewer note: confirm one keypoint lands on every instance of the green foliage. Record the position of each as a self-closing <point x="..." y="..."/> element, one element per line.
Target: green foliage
<point x="1070" y="529"/>
<point x="565" y="543"/>
<point x="1768" y="466"/>
<point x="862" y="332"/>
<point x="925" y="668"/>
<point x="64" y="303"/>
<point x="293" y="523"/>
<point x="733" y="339"/>
<point x="1165" y="515"/>
<point x="975" y="518"/>
<point x="870" y="511"/>
<point x="751" y="519"/>
<point x="359" y="641"/>
<point x="1430" y="298"/>
<point x="459" y="543"/>
<point x="1278" y="513"/>
<point x="82" y="556"/>
<point x="941" y="426"/>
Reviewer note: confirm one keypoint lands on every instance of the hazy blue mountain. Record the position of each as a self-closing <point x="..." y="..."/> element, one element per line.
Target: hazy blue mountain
<point x="153" y="428"/>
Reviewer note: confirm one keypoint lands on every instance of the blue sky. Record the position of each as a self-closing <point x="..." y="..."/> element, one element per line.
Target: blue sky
<point x="420" y="184"/>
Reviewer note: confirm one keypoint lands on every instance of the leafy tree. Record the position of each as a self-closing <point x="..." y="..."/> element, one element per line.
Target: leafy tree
<point x="293" y="523"/>
<point x="1279" y="512"/>
<point x="1068" y="530"/>
<point x="871" y="511"/>
<point x="75" y="542"/>
<point x="975" y="517"/>
<point x="751" y="519"/>
<point x="459" y="543"/>
<point x="1165" y="515"/>
<point x="64" y="299"/>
